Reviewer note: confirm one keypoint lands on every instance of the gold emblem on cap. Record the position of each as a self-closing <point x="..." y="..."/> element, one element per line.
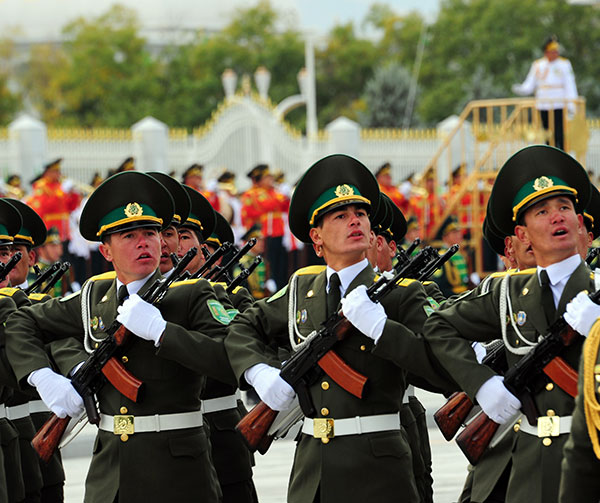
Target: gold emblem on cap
<point x="133" y="210"/>
<point x="344" y="190"/>
<point x="541" y="183"/>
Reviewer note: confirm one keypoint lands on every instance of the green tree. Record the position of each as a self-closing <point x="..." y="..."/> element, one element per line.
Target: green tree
<point x="9" y="100"/>
<point x="386" y="96"/>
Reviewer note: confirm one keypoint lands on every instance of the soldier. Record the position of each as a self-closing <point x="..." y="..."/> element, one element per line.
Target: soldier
<point x="54" y="199"/>
<point x="163" y="453"/>
<point x="193" y="177"/>
<point x="366" y="456"/>
<point x="169" y="235"/>
<point x="551" y="78"/>
<point x="49" y="253"/>
<point x="453" y="278"/>
<point x="384" y="179"/>
<point x="537" y="195"/>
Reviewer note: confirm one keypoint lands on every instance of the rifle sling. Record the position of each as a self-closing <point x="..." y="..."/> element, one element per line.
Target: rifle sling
<point x="563" y="375"/>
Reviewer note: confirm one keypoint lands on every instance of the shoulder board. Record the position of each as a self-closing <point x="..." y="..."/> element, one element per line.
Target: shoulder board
<point x="70" y="296"/>
<point x="236" y="290"/>
<point x="427" y="282"/>
<point x="104" y="275"/>
<point x="278" y="294"/>
<point x="500" y="274"/>
<point x="524" y="272"/>
<point x="184" y="282"/>
<point x="311" y="269"/>
<point x="406" y="282"/>
<point x="38" y="296"/>
<point x="8" y="291"/>
<point x="221" y="283"/>
<point x="539" y="60"/>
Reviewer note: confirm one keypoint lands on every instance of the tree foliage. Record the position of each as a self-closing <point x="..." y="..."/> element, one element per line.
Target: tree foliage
<point x="106" y="73"/>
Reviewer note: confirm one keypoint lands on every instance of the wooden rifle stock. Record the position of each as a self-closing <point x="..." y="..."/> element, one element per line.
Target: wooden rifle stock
<point x="475" y="438"/>
<point x="48" y="437"/>
<point x="254" y="426"/>
<point x="451" y="416"/>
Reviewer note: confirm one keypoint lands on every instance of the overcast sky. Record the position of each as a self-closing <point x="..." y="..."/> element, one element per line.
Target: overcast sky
<point x="45" y="18"/>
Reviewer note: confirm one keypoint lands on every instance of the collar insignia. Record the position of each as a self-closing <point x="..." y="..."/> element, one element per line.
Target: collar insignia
<point x="541" y="183"/>
<point x="344" y="190"/>
<point x="133" y="210"/>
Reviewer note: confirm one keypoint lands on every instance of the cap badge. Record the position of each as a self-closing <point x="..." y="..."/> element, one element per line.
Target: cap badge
<point x="541" y="183"/>
<point x="133" y="210"/>
<point x="344" y="190"/>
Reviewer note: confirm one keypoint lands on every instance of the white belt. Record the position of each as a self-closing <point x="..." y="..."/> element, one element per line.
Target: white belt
<point x="2" y="411"/>
<point x="325" y="427"/>
<point x="18" y="411"/>
<point x="547" y="426"/>
<point x="37" y="406"/>
<point x="128" y="424"/>
<point x="221" y="403"/>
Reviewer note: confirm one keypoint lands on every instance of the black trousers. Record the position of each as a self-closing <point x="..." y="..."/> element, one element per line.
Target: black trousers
<point x="559" y="141"/>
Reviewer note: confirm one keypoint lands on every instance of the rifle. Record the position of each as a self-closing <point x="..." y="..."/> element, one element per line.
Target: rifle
<point x="101" y="366"/>
<point x="212" y="259"/>
<point x="218" y="272"/>
<point x="403" y="256"/>
<point x="592" y="254"/>
<point x="520" y="381"/>
<point x="243" y="275"/>
<point x="42" y="277"/>
<point x="9" y="266"/>
<point x="453" y="414"/>
<point x="305" y="366"/>
<point x="62" y="269"/>
<point x="436" y="264"/>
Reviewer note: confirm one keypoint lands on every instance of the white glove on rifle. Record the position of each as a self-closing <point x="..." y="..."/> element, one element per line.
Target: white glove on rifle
<point x="367" y="316"/>
<point x="270" y="387"/>
<point x="499" y="404"/>
<point x="479" y="351"/>
<point x="142" y="319"/>
<point x="56" y="392"/>
<point x="582" y="313"/>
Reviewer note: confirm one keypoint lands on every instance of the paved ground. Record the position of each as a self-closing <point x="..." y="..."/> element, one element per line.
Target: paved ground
<point x="272" y="470"/>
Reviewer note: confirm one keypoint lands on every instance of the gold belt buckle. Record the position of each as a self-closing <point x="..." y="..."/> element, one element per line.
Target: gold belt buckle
<point x="123" y="425"/>
<point x="323" y="427"/>
<point x="548" y="426"/>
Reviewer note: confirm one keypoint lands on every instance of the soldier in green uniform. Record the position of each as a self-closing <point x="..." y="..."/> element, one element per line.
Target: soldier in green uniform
<point x="154" y="449"/>
<point x="453" y="277"/>
<point x="537" y="196"/>
<point x="363" y="455"/>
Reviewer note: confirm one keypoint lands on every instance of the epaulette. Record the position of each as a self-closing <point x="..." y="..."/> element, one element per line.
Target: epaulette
<point x="501" y="274"/>
<point x="221" y="283"/>
<point x="236" y="290"/>
<point x="311" y="269"/>
<point x="406" y="282"/>
<point x="37" y="296"/>
<point x="104" y="275"/>
<point x="427" y="282"/>
<point x="184" y="282"/>
<point x="8" y="291"/>
<point x="531" y="270"/>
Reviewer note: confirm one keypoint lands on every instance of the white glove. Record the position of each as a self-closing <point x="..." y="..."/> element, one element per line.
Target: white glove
<point x="142" y="319"/>
<point x="582" y="313"/>
<point x="516" y="89"/>
<point x="270" y="387"/>
<point x="496" y="401"/>
<point x="67" y="185"/>
<point x="479" y="351"/>
<point x="56" y="392"/>
<point x="368" y="316"/>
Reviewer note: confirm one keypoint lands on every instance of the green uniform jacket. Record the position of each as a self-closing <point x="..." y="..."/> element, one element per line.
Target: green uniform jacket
<point x="354" y="468"/>
<point x="171" y="465"/>
<point x="12" y="486"/>
<point x="580" y="480"/>
<point x="535" y="472"/>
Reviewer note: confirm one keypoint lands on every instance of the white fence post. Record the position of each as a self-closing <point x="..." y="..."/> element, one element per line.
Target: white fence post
<point x="28" y="141"/>
<point x="150" y="144"/>
<point x="344" y="137"/>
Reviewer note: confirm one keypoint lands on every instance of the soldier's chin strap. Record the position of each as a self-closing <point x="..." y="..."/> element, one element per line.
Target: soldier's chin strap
<point x="590" y="403"/>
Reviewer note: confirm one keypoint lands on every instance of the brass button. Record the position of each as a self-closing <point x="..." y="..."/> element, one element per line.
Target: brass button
<point x="363" y="347"/>
<point x="325" y="385"/>
<point x="547" y="441"/>
<point x="310" y="293"/>
<point x="550" y="413"/>
<point x="517" y="427"/>
<point x="124" y="437"/>
<point x="325" y="440"/>
<point x="124" y="359"/>
<point x="525" y="291"/>
<point x="597" y="376"/>
<point x="517" y="342"/>
<point x="324" y="411"/>
<point x="123" y="410"/>
<point x="96" y="345"/>
<point x="598" y="389"/>
<point x="550" y="386"/>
